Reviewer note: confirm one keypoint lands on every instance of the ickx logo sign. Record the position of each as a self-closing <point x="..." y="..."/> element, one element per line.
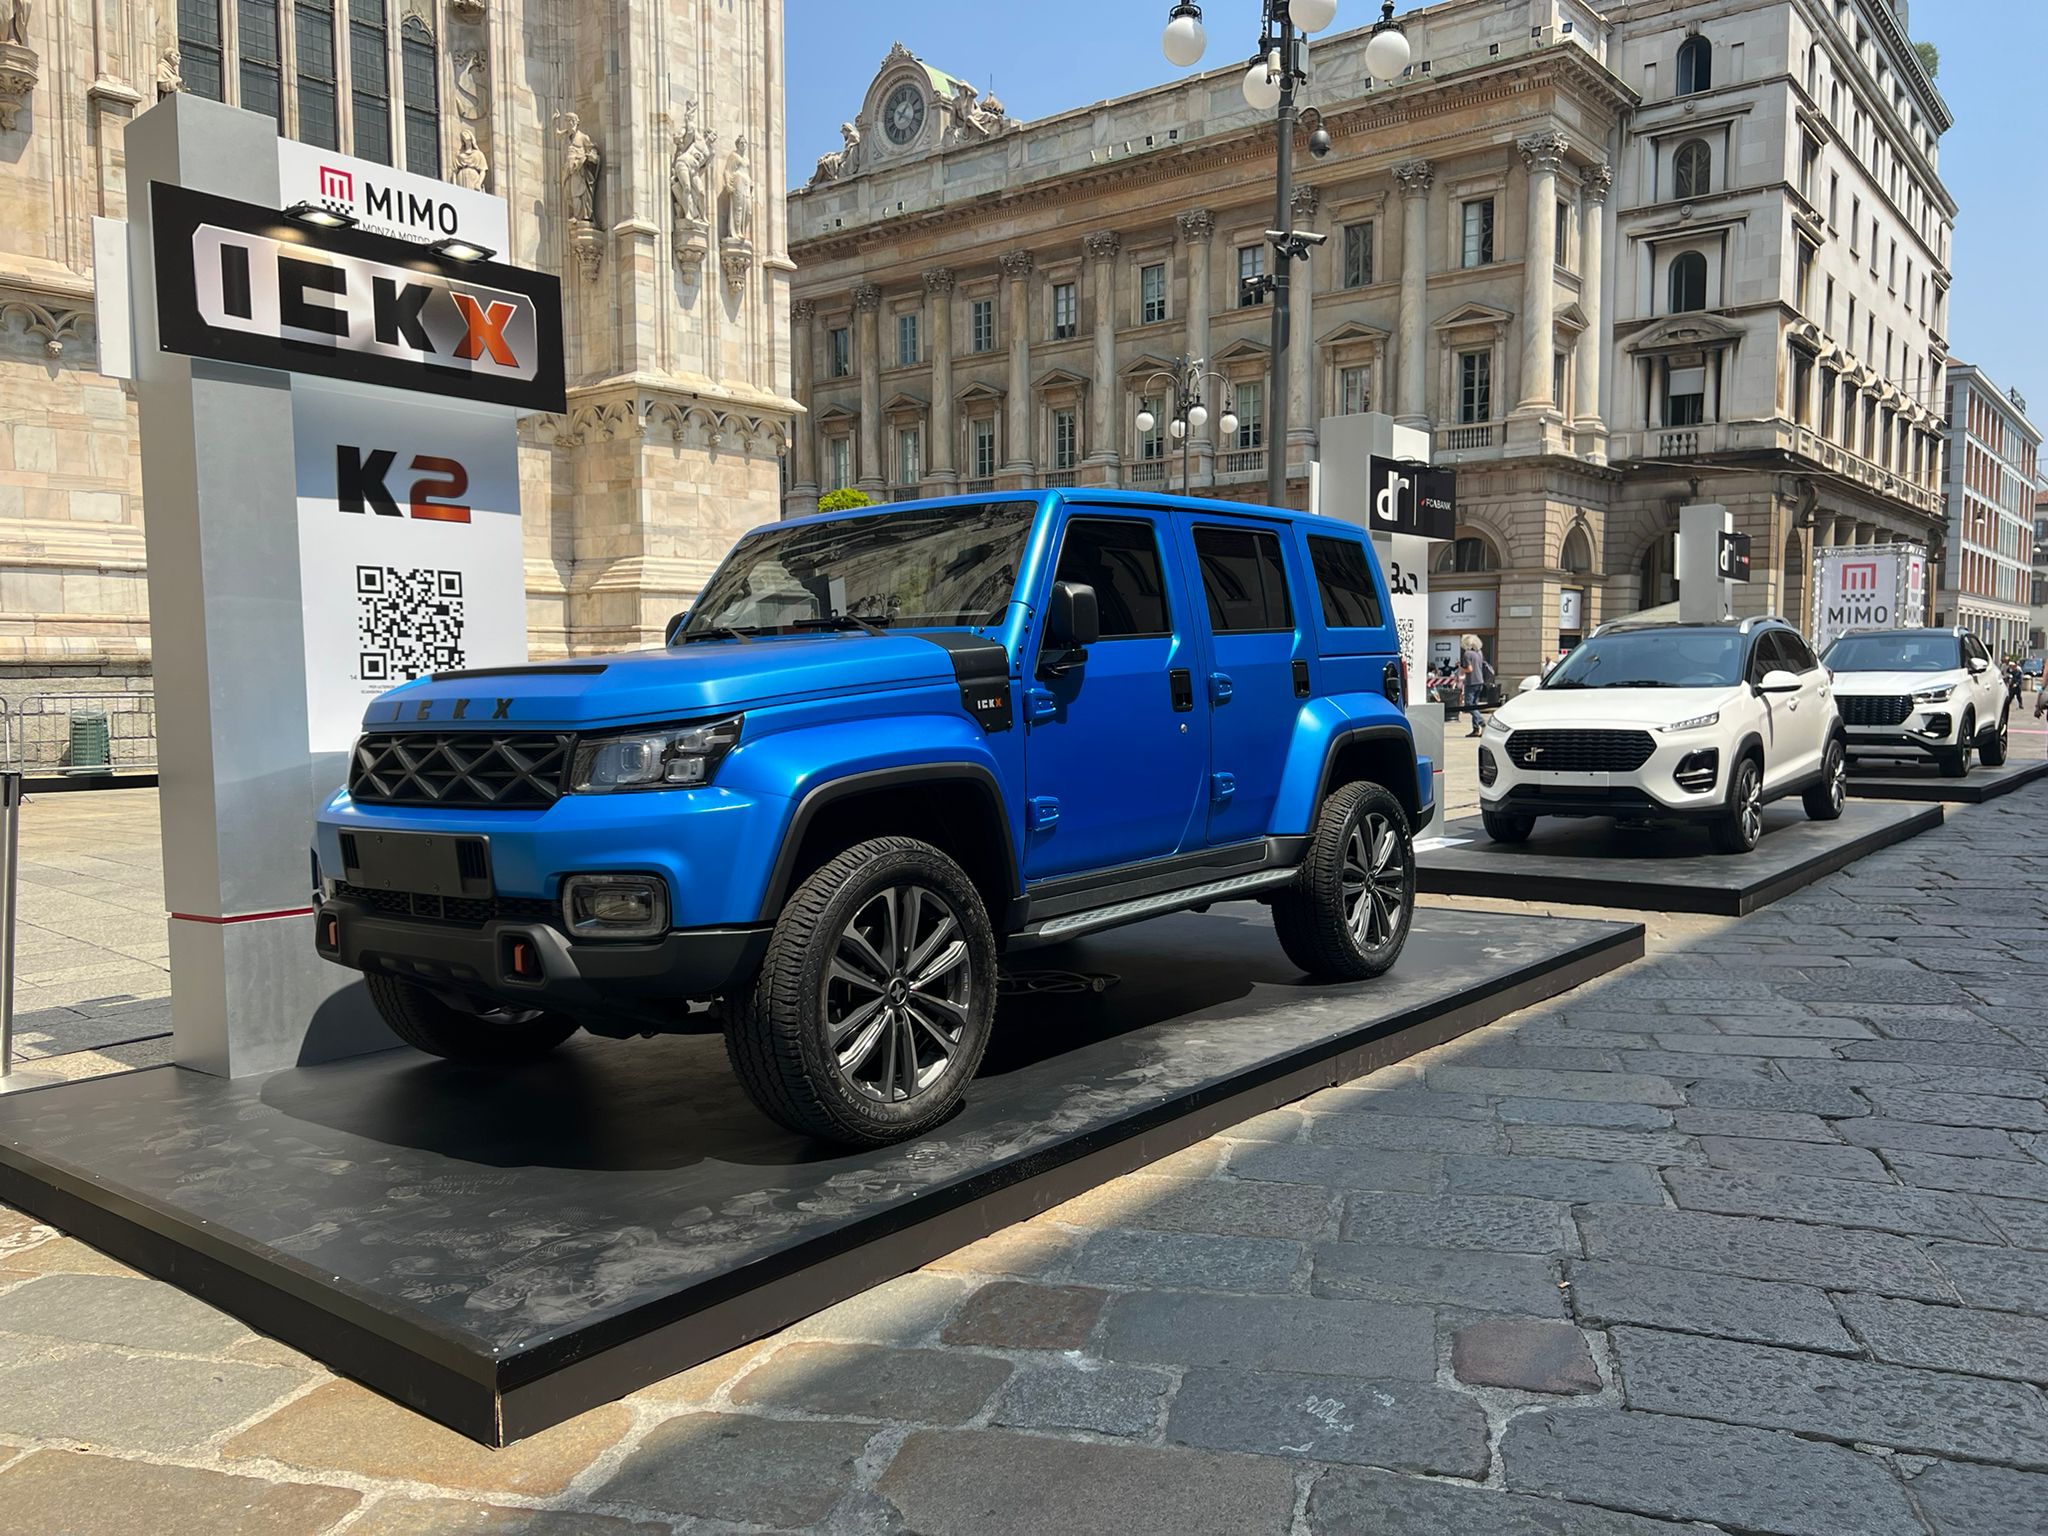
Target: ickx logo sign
<point x="242" y="284"/>
<point x="362" y="478"/>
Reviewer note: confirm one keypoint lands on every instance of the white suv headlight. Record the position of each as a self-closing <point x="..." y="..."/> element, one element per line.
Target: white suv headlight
<point x="1933" y="695"/>
<point x="667" y="757"/>
<point x="1495" y="726"/>
<point x="1696" y="723"/>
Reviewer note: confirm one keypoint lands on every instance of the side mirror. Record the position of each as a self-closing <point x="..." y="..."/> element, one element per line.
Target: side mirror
<point x="1529" y="685"/>
<point x="1978" y="667"/>
<point x="675" y="627"/>
<point x="1778" y="680"/>
<point x="1072" y="624"/>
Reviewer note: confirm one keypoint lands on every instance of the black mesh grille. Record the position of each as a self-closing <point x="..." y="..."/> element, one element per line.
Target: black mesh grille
<point x="463" y="768"/>
<point x="463" y="911"/>
<point x="1580" y="751"/>
<point x="1874" y="708"/>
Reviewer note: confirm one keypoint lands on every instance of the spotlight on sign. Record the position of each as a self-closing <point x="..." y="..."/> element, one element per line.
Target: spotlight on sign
<point x="320" y="216"/>
<point x="455" y="248"/>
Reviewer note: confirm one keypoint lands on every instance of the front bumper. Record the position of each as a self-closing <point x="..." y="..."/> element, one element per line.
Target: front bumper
<point x="641" y="980"/>
<point x="1930" y="728"/>
<point x="1684" y="779"/>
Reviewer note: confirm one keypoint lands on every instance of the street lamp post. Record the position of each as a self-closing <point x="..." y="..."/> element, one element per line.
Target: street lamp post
<point x="1190" y="414"/>
<point x="1279" y="66"/>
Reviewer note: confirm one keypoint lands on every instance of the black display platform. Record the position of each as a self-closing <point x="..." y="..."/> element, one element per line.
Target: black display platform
<point x="1594" y="863"/>
<point x="504" y="1250"/>
<point x="1919" y="779"/>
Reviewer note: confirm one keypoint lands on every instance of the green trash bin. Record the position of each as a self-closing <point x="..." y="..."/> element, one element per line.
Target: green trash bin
<point x="89" y="741"/>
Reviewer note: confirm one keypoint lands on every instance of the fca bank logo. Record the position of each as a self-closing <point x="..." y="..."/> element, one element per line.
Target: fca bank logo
<point x="337" y="185"/>
<point x="1860" y="577"/>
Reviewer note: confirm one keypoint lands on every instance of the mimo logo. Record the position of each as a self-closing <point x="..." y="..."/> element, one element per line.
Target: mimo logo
<point x="361" y="484"/>
<point x="1859" y="576"/>
<point x="337" y="185"/>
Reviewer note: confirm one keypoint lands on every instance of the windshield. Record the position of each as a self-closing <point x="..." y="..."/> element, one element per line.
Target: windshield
<point x="930" y="567"/>
<point x="1652" y="658"/>
<point x="1928" y="652"/>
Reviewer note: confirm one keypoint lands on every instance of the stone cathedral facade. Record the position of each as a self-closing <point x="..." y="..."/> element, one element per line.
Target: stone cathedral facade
<point x="640" y="150"/>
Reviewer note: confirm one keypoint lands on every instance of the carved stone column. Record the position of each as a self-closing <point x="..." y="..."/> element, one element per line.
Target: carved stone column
<point x="1102" y="248"/>
<point x="867" y="306"/>
<point x="804" y="472"/>
<point x="1301" y="361"/>
<point x="1019" y="467"/>
<point x="1415" y="177"/>
<point x="1198" y="230"/>
<point x="938" y="460"/>
<point x="1541" y="152"/>
<point x="1589" y="426"/>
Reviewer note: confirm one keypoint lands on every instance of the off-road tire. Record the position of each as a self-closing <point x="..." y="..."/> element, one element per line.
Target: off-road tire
<point x="1310" y="913"/>
<point x="1739" y="827"/>
<point x="1506" y="826"/>
<point x="427" y="1023"/>
<point x="1824" y="801"/>
<point x="1994" y="744"/>
<point x="778" y="1032"/>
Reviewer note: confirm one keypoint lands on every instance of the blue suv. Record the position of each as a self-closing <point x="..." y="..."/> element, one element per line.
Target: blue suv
<point x="884" y="747"/>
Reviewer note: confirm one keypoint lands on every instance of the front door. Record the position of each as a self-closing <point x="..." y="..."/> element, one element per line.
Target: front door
<point x="1118" y="753"/>
<point x="1252" y="691"/>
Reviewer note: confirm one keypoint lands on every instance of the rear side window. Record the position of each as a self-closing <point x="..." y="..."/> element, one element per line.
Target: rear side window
<point x="1798" y="655"/>
<point x="1344" y="584"/>
<point x="1120" y="560"/>
<point x="1767" y="657"/>
<point x="1243" y="580"/>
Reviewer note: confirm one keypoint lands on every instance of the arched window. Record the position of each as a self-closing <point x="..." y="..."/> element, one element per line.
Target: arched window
<point x="1468" y="552"/>
<point x="1692" y="169"/>
<point x="1695" y="65"/>
<point x="420" y="70"/>
<point x="1688" y="282"/>
<point x="1577" y="554"/>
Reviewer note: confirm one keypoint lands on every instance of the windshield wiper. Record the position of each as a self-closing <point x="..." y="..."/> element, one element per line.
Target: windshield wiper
<point x="720" y="632"/>
<point x="839" y="621"/>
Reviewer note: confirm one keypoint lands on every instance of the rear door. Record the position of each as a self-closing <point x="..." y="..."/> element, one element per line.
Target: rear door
<point x="1779" y="722"/>
<point x="1257" y="666"/>
<point x="1814" y="712"/>
<point x="1118" y="753"/>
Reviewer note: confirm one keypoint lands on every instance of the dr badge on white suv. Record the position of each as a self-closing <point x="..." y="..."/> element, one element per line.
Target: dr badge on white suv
<point x="1908" y="692"/>
<point x="1668" y="722"/>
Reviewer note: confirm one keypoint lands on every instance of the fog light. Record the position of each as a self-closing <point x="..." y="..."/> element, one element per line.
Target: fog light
<point x="1937" y="726"/>
<point x="1697" y="771"/>
<point x="615" y="906"/>
<point x="1489" y="770"/>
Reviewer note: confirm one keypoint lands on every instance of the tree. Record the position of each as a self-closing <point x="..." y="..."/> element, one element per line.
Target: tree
<point x="1930" y="58"/>
<point x="843" y="499"/>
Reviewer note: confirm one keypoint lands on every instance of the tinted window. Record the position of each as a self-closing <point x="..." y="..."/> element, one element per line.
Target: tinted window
<point x="1765" y="656"/>
<point x="1921" y="650"/>
<point x="1120" y="560"/>
<point x="1653" y="658"/>
<point x="1344" y="584"/>
<point x="1243" y="579"/>
<point x="1798" y="654"/>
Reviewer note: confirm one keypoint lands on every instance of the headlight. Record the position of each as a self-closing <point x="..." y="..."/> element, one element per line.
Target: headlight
<point x="1494" y="726"/>
<point x="1696" y="723"/>
<point x="615" y="906"/>
<point x="1933" y="695"/>
<point x="671" y="757"/>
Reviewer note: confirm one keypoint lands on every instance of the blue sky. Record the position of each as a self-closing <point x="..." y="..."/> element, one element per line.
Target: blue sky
<point x="1045" y="56"/>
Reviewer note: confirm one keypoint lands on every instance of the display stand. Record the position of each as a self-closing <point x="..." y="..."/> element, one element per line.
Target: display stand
<point x="1920" y="779"/>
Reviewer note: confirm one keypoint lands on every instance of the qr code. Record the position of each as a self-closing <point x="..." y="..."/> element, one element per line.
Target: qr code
<point x="410" y="622"/>
<point x="1406" y="629"/>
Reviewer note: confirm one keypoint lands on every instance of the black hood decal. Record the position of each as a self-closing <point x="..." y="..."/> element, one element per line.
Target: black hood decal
<point x="982" y="668"/>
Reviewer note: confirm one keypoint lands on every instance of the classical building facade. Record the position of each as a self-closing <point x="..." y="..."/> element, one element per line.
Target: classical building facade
<point x="640" y="150"/>
<point x="1987" y="574"/>
<point x="1613" y="257"/>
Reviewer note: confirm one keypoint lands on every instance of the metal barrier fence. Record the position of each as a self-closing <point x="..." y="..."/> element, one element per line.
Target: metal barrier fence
<point x="86" y="733"/>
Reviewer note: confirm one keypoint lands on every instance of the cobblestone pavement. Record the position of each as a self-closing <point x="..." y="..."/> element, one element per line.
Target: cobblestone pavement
<point x="1750" y="1236"/>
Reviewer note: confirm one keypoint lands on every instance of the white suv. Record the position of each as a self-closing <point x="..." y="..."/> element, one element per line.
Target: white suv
<point x="1904" y="692"/>
<point x="1668" y="722"/>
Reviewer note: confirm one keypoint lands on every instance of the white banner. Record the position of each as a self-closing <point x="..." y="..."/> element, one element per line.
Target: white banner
<point x="1571" y="610"/>
<point x="1405" y="559"/>
<point x="389" y="202"/>
<point x="410" y="557"/>
<point x="1466" y="610"/>
<point x="1867" y="586"/>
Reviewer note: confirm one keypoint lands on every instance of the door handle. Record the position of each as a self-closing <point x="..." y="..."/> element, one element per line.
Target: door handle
<point x="1182" y="682"/>
<point x="1222" y="786"/>
<point x="1220" y="688"/>
<point x="1301" y="687"/>
<point x="1040" y="704"/>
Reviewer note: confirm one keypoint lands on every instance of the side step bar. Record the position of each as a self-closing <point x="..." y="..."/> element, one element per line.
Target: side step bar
<point x="1073" y="923"/>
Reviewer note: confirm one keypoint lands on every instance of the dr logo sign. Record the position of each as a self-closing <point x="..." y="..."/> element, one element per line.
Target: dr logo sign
<point x="243" y="284"/>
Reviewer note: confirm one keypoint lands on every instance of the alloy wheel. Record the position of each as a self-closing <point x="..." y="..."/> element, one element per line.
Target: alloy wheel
<point x="1838" y="777"/>
<point x="899" y="993"/>
<point x="1374" y="881"/>
<point x="1752" y="807"/>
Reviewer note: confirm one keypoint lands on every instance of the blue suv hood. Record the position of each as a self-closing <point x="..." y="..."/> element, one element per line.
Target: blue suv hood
<point x="672" y="683"/>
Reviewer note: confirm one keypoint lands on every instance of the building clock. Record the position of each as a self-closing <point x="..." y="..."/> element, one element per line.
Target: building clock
<point x="903" y="114"/>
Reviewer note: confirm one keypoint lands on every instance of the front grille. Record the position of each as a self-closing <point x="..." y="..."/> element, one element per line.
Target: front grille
<point x="1874" y="708"/>
<point x="459" y="768"/>
<point x="462" y="911"/>
<point x="1580" y="751"/>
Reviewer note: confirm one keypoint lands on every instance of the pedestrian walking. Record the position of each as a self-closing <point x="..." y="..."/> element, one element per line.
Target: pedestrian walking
<point x="2015" y="682"/>
<point x="1478" y="674"/>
